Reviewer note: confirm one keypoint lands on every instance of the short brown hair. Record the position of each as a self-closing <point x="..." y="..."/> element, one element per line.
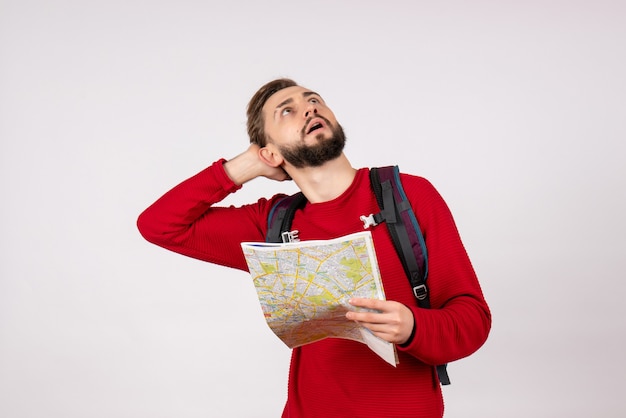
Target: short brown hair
<point x="256" y="130"/>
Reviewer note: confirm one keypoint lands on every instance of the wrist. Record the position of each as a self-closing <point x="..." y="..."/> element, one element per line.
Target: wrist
<point x="243" y="168"/>
<point x="412" y="335"/>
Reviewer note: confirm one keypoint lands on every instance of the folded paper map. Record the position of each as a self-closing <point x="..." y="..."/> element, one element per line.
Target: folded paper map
<point x="304" y="288"/>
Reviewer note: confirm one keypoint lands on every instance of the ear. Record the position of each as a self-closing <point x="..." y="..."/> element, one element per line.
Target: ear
<point x="270" y="156"/>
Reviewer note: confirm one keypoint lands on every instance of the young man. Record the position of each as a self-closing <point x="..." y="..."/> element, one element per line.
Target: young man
<point x="294" y="135"/>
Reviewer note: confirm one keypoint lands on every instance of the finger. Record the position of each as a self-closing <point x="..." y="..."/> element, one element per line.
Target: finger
<point x="367" y="317"/>
<point x="390" y="334"/>
<point x="367" y="303"/>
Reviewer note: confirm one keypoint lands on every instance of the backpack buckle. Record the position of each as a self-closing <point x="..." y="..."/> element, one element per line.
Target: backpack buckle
<point x="420" y="292"/>
<point x="290" y="236"/>
<point x="368" y="221"/>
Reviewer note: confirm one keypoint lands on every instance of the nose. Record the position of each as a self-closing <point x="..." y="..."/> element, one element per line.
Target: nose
<point x="310" y="110"/>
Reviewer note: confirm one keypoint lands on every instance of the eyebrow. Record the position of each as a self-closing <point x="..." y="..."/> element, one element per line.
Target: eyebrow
<point x="310" y="93"/>
<point x="290" y="100"/>
<point x="283" y="103"/>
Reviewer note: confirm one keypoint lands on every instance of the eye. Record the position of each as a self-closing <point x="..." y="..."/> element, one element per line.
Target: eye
<point x="314" y="100"/>
<point x="285" y="111"/>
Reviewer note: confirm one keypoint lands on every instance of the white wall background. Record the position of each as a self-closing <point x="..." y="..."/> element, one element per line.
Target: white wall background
<point x="514" y="110"/>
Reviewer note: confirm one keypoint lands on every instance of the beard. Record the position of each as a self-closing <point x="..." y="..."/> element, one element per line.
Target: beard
<point x="325" y="149"/>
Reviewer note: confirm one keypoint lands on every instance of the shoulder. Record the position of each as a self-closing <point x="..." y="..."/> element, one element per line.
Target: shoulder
<point x="266" y="204"/>
<point x="422" y="193"/>
<point x="413" y="184"/>
<point x="407" y="180"/>
<point x="415" y="181"/>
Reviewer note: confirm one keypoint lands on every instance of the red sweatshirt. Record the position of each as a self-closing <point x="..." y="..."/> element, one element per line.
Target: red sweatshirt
<point x="337" y="377"/>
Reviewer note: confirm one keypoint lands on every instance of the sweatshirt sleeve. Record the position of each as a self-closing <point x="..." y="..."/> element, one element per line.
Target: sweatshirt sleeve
<point x="459" y="320"/>
<point x="187" y="220"/>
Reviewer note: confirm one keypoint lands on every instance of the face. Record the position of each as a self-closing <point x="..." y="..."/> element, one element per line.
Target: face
<point x="302" y="127"/>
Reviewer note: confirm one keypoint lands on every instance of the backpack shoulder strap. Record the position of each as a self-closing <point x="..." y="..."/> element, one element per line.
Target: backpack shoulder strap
<point x="406" y="234"/>
<point x="281" y="216"/>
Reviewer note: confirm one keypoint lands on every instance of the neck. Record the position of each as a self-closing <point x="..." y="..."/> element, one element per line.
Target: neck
<point x="326" y="182"/>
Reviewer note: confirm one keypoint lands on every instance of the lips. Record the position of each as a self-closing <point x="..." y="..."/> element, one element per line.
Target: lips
<point x="315" y="124"/>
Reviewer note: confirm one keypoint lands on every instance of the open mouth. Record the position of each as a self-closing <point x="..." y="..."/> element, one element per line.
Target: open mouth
<point x="314" y="126"/>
